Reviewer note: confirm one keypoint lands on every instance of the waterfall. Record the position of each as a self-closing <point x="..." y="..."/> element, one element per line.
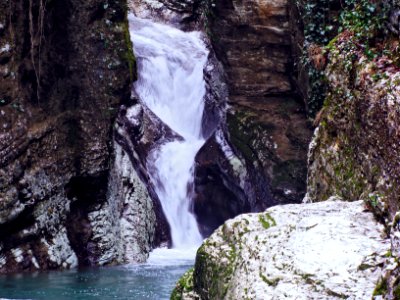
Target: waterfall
<point x="171" y="85"/>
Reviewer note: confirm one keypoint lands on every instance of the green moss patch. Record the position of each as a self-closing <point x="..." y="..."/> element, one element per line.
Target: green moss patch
<point x="380" y="288"/>
<point x="184" y="285"/>
<point x="266" y="220"/>
<point x="129" y="56"/>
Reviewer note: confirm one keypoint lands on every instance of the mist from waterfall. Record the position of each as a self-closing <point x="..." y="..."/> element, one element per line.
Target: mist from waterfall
<point x="171" y="84"/>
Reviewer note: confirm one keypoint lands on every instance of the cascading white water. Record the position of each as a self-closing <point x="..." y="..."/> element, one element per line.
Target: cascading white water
<point x="171" y="84"/>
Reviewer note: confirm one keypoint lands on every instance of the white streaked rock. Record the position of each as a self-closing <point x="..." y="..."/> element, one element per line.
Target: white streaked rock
<point x="60" y="251"/>
<point x="327" y="250"/>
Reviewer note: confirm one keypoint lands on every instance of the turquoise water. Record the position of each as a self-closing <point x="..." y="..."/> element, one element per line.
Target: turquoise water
<point x="154" y="280"/>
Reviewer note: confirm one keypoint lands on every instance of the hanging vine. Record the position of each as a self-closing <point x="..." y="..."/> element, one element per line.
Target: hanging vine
<point x="36" y="30"/>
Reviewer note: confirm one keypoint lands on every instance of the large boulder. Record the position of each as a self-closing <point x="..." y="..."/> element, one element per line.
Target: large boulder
<point x="329" y="250"/>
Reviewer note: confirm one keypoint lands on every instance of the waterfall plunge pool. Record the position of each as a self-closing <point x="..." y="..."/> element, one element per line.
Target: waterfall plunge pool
<point x="154" y="280"/>
<point x="171" y="84"/>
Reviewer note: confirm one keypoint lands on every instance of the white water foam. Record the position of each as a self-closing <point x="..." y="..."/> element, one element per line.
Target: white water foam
<point x="171" y="84"/>
<point x="171" y="257"/>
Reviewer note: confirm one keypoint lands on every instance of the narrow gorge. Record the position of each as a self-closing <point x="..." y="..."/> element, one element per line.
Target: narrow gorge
<point x="171" y="65"/>
<point x="199" y="149"/>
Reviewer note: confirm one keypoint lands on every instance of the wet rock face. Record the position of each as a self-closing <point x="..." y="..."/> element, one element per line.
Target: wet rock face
<point x="272" y="137"/>
<point x="265" y="123"/>
<point x="252" y="38"/>
<point x="354" y="152"/>
<point x="138" y="131"/>
<point x="220" y="184"/>
<point x="64" y="66"/>
<point x="124" y="225"/>
<point x="329" y="250"/>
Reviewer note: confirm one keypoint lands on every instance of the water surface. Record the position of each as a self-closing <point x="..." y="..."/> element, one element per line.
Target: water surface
<point x="154" y="280"/>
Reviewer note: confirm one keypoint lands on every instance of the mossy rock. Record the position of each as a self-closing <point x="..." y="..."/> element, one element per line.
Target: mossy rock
<point x="184" y="285"/>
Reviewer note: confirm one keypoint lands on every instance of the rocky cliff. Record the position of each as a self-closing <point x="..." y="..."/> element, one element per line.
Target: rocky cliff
<point x="354" y="152"/>
<point x="256" y="151"/>
<point x="65" y="66"/>
<point x="353" y="156"/>
<point x="265" y="124"/>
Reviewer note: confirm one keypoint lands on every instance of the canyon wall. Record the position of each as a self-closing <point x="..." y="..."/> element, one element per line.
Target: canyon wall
<point x="255" y="122"/>
<point x="353" y="156"/>
<point x="355" y="151"/>
<point x="65" y="67"/>
<point x="265" y="124"/>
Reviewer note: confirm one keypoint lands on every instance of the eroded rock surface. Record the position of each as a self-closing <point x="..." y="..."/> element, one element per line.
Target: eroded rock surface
<point x="265" y="125"/>
<point x="132" y="211"/>
<point x="138" y="131"/>
<point x="177" y="12"/>
<point x="355" y="151"/>
<point x="329" y="250"/>
<point x="65" y="66"/>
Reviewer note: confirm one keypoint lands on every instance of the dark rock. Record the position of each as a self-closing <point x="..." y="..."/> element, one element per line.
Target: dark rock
<point x="63" y="72"/>
<point x="216" y="95"/>
<point x="266" y="125"/>
<point x="219" y="193"/>
<point x="139" y="132"/>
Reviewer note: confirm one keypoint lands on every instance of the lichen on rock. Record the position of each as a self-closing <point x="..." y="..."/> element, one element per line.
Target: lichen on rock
<point x="353" y="149"/>
<point x="328" y="250"/>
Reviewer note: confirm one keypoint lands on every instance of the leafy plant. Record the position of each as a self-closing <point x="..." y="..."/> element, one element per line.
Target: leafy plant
<point x="320" y="20"/>
<point x="364" y="18"/>
<point x="325" y="19"/>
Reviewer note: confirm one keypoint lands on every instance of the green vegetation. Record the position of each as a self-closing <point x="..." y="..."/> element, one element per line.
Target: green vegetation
<point x="320" y="26"/>
<point x="373" y="199"/>
<point x="365" y="24"/>
<point x="396" y="291"/>
<point x="211" y="274"/>
<point x="266" y="220"/>
<point x="380" y="288"/>
<point x="271" y="282"/>
<point x="240" y="137"/>
<point x="129" y="56"/>
<point x="364" y="18"/>
<point x="185" y="284"/>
